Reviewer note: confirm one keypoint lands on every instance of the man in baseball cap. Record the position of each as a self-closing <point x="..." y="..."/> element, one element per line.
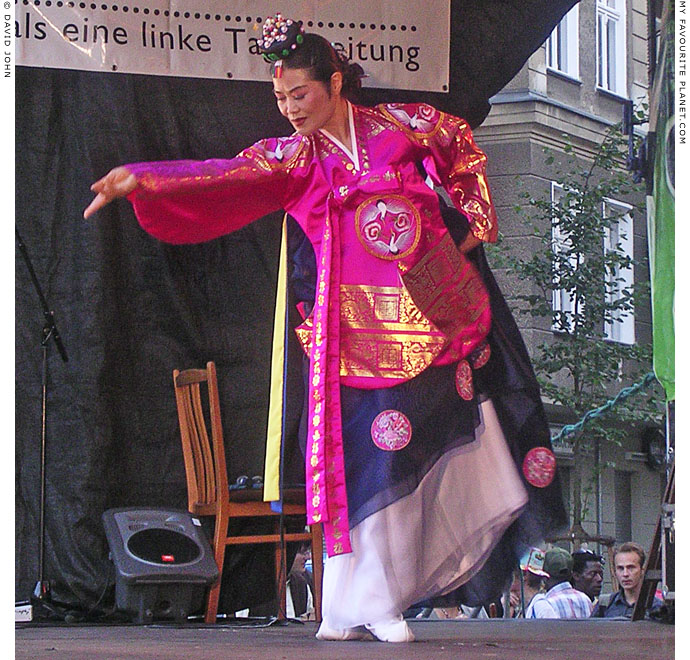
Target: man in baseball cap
<point x="529" y="582"/>
<point x="533" y="562"/>
<point x="563" y="600"/>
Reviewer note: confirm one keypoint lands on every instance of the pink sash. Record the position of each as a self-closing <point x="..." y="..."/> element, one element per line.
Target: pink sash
<point x="325" y="464"/>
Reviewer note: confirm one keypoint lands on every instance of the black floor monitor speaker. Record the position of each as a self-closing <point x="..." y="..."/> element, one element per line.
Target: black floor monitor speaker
<point x="163" y="562"/>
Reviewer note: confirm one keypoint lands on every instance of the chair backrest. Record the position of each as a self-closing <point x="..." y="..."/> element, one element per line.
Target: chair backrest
<point x="196" y="395"/>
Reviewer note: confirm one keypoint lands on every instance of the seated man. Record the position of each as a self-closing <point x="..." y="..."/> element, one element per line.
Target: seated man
<point x="628" y="561"/>
<point x="588" y="572"/>
<point x="561" y="601"/>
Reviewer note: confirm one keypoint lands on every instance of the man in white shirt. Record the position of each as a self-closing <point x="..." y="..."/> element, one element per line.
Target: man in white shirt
<point x="561" y="600"/>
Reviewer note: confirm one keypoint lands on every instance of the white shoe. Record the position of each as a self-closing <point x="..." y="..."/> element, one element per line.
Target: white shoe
<point x="327" y="634"/>
<point x="391" y="630"/>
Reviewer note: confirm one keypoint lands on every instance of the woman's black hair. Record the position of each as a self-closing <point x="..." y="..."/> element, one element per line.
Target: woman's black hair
<point x="321" y="60"/>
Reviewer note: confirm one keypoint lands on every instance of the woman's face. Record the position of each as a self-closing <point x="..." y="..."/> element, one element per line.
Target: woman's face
<point x="306" y="103"/>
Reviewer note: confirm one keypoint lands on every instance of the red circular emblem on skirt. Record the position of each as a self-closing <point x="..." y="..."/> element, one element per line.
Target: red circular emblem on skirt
<point x="391" y="430"/>
<point x="539" y="467"/>
<point x="463" y="380"/>
<point x="480" y="355"/>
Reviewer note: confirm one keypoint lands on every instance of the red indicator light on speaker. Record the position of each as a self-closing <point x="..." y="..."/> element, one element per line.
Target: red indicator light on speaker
<point x="168" y="558"/>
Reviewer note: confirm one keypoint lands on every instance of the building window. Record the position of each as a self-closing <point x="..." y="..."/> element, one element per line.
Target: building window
<point x="611" y="50"/>
<point x="562" y="45"/>
<point x="563" y="301"/>
<point x="618" y="239"/>
<point x="619" y="325"/>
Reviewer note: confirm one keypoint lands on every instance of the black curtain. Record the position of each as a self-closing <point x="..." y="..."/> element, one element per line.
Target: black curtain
<point x="131" y="309"/>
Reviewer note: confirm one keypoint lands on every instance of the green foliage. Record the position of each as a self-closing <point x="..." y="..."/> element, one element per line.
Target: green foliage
<point x="578" y="367"/>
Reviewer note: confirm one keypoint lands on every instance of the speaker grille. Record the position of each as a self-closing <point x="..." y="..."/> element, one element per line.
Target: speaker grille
<point x="163" y="546"/>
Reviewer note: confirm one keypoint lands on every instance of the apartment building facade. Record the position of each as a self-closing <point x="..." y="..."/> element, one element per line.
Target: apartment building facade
<point x="573" y="89"/>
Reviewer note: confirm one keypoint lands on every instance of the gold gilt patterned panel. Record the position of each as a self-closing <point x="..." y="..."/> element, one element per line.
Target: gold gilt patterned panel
<point x="388" y="356"/>
<point x="447" y="288"/>
<point x="382" y="333"/>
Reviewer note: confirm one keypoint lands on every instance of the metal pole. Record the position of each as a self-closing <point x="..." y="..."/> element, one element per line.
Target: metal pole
<point x="598" y="488"/>
<point x="670" y="437"/>
<point x="50" y="332"/>
<point x="42" y="588"/>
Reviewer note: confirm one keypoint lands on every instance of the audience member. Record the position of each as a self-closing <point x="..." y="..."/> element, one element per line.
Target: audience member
<point x="588" y="572"/>
<point x="628" y="561"/>
<point x="561" y="601"/>
<point x="300" y="581"/>
<point x="528" y="582"/>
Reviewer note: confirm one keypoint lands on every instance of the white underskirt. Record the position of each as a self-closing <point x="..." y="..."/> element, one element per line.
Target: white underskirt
<point x="432" y="540"/>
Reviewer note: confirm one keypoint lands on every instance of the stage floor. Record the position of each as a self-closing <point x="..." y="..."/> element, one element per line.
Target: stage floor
<point x="463" y="639"/>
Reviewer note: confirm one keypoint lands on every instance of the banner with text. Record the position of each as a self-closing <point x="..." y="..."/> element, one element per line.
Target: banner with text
<point x="396" y="48"/>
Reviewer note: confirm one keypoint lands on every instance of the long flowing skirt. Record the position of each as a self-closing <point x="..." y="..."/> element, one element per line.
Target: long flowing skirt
<point x="432" y="540"/>
<point x="444" y="520"/>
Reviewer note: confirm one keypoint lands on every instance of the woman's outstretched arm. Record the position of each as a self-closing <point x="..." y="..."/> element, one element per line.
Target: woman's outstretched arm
<point x="119" y="182"/>
<point x="191" y="201"/>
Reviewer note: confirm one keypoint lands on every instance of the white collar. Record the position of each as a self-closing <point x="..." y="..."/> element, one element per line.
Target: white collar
<point x="352" y="152"/>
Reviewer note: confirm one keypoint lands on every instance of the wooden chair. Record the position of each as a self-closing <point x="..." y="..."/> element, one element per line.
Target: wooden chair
<point x="209" y="495"/>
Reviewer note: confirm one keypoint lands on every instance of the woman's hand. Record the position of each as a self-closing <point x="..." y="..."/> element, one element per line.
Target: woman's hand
<point x="119" y="182"/>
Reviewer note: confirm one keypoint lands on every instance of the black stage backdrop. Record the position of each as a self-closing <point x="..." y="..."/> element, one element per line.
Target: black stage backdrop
<point x="131" y="309"/>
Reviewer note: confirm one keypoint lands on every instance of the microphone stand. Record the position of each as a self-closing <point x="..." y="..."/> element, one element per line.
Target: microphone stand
<point x="41" y="592"/>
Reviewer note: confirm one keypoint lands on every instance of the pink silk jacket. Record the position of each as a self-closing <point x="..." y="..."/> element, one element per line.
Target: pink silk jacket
<point x="394" y="295"/>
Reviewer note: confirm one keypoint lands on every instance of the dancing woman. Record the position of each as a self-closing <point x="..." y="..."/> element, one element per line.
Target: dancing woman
<point x="427" y="453"/>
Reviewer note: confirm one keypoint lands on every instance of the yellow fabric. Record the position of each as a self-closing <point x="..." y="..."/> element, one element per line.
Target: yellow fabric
<point x="275" y="406"/>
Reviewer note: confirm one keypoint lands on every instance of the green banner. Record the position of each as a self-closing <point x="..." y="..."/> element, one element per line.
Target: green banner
<point x="661" y="212"/>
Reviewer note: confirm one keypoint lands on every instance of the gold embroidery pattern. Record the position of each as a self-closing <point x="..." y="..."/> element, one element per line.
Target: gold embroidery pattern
<point x="388" y="177"/>
<point x="383" y="333"/>
<point x="480" y="223"/>
<point x="269" y="160"/>
<point x="304" y="333"/>
<point x="468" y="186"/>
<point x="380" y="355"/>
<point x="250" y="164"/>
<point x="386" y="308"/>
<point x="447" y="288"/>
<point x="372" y="127"/>
<point x="361" y="135"/>
<point x="428" y="114"/>
<point x="326" y="148"/>
<point x="159" y="181"/>
<point x="445" y="135"/>
<point x="328" y="503"/>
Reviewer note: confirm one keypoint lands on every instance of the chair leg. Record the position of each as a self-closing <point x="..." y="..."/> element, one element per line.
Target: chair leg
<point x="281" y="576"/>
<point x="317" y="565"/>
<point x="219" y="547"/>
<point x="212" y="602"/>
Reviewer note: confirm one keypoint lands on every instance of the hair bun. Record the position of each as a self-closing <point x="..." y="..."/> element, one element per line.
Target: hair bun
<point x="352" y="77"/>
<point x="280" y="37"/>
<point x="355" y="70"/>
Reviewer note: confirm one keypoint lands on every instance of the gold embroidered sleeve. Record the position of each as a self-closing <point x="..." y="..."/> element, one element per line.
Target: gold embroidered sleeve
<point x="453" y="160"/>
<point x="461" y="169"/>
<point x="194" y="201"/>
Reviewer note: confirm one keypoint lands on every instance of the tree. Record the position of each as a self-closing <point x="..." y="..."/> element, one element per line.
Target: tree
<point x="579" y="283"/>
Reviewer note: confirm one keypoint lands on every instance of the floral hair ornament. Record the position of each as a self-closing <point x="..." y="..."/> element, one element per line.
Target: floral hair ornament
<point x="281" y="37"/>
